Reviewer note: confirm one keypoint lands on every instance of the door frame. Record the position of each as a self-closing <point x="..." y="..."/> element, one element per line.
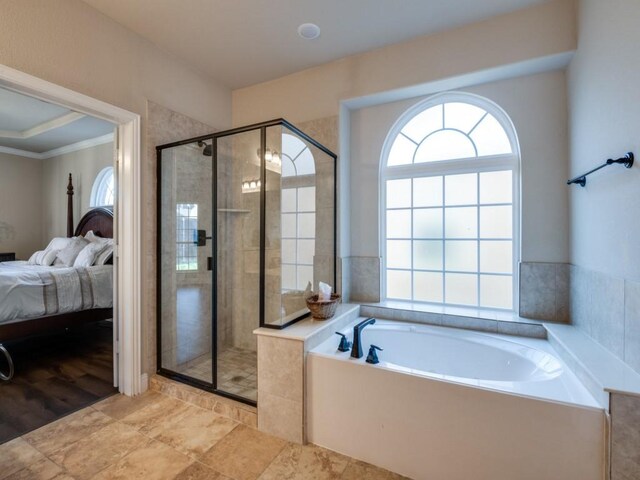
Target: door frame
<point x="127" y="235"/>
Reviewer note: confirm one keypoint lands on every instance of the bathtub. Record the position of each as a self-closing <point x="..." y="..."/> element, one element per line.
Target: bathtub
<point x="455" y="404"/>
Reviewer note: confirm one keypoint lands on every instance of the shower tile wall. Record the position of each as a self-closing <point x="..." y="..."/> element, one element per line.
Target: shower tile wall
<point x="163" y="126"/>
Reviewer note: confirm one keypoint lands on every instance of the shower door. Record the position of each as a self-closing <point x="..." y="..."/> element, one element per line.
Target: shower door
<point x="185" y="220"/>
<point x="208" y="263"/>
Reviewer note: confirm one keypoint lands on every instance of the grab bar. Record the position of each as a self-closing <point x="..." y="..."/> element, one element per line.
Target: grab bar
<point x="581" y="180"/>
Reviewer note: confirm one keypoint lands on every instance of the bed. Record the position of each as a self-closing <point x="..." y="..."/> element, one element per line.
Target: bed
<point x="36" y="300"/>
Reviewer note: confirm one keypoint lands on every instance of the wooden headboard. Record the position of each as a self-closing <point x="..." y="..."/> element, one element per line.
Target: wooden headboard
<point x="100" y="220"/>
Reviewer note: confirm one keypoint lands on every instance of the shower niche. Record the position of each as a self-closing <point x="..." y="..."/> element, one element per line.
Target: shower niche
<point x="246" y="228"/>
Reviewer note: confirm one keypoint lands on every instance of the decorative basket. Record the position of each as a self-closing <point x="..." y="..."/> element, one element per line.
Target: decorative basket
<point x="323" y="310"/>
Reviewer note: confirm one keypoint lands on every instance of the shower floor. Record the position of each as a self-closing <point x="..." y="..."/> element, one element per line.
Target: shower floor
<point x="237" y="371"/>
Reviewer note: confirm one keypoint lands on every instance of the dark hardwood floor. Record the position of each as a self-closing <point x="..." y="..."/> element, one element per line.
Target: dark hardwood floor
<point x="56" y="375"/>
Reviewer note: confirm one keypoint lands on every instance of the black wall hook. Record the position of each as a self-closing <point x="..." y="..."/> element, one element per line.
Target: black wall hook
<point x="581" y="180"/>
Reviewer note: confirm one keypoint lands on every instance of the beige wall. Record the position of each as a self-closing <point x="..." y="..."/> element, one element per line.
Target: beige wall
<point x="315" y="93"/>
<point x="604" y="95"/>
<point x="84" y="165"/>
<point x="604" y="121"/>
<point x="20" y="205"/>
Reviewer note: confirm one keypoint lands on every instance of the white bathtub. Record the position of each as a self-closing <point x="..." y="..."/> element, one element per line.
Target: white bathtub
<point x="454" y="404"/>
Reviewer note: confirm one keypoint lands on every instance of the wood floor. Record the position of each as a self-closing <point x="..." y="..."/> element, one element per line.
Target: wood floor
<point x="55" y="376"/>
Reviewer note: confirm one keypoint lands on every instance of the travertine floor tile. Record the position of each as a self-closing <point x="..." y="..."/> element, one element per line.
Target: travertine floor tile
<point x="119" y="406"/>
<point x="193" y="433"/>
<point x="67" y="430"/>
<point x="298" y="462"/>
<point x="357" y="470"/>
<point x="244" y="453"/>
<point x="17" y="455"/>
<point x="43" y="469"/>
<point x="91" y="454"/>
<point x="163" y="411"/>
<point x="155" y="461"/>
<point x="199" y="471"/>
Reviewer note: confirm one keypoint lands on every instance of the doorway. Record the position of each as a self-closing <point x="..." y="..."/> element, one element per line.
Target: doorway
<point x="127" y="255"/>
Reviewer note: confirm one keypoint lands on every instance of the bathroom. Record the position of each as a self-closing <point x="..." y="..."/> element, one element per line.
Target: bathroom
<point x="483" y="253"/>
<point x="468" y="191"/>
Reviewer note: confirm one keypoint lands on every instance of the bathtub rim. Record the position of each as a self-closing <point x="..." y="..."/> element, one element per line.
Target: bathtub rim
<point x="591" y="404"/>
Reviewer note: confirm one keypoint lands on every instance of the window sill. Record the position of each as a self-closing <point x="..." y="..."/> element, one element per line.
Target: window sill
<point x="485" y="320"/>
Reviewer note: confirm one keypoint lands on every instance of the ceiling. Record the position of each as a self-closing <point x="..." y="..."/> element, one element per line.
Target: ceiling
<point x="32" y="126"/>
<point x="241" y="43"/>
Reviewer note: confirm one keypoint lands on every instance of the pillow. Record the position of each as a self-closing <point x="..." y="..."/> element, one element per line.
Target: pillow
<point x="104" y="256"/>
<point x="68" y="255"/>
<point x="43" y="257"/>
<point x="49" y="257"/>
<point x="58" y="243"/>
<point x="36" y="258"/>
<point x="88" y="255"/>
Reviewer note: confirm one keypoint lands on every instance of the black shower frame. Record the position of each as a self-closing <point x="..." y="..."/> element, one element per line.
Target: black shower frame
<point x="262" y="126"/>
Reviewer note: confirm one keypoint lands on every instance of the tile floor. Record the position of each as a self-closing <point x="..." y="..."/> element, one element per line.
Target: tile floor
<point x="154" y="436"/>
<point x="237" y="372"/>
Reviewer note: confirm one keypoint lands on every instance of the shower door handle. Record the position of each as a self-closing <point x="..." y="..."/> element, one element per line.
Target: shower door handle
<point x="201" y="238"/>
<point x="209" y="263"/>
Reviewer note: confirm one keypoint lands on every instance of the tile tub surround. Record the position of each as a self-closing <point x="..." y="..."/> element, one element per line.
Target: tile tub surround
<point x="364" y="273"/>
<point x="544" y="291"/>
<point x="281" y="371"/>
<point x="625" y="436"/>
<point x="608" y="310"/>
<point x="489" y="321"/>
<point x="154" y="436"/>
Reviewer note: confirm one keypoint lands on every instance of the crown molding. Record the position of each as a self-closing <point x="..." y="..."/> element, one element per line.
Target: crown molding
<point x="43" y="127"/>
<point x="74" y="147"/>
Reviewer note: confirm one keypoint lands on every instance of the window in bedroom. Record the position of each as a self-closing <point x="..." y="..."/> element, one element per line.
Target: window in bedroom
<point x="449" y="204"/>
<point x="103" y="190"/>
<point x="186" y="227"/>
<point x="298" y="213"/>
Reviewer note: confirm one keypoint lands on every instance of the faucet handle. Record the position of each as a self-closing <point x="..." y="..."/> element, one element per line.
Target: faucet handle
<point x="345" y="344"/>
<point x="373" y="356"/>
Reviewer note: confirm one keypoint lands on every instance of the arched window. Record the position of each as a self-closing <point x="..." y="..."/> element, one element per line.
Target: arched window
<point x="298" y="209"/>
<point x="449" y="181"/>
<point x="103" y="190"/>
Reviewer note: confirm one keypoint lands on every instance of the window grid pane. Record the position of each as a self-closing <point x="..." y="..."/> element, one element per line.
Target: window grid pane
<point x="459" y="263"/>
<point x="186" y="227"/>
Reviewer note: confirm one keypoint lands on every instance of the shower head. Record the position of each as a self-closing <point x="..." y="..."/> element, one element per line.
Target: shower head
<point x="208" y="150"/>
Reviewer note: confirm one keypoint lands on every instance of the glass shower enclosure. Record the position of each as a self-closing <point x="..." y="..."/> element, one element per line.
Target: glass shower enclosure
<point x="246" y="229"/>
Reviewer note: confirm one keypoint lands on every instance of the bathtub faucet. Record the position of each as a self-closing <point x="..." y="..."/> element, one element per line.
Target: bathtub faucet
<point x="356" y="349"/>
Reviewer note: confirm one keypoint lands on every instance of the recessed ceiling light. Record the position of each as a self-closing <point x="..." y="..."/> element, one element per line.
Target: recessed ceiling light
<point x="309" y="31"/>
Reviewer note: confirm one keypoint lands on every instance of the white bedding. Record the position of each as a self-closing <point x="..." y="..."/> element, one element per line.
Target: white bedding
<point x="28" y="291"/>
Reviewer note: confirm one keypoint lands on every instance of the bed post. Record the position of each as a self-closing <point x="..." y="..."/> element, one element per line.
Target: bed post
<point x="70" y="208"/>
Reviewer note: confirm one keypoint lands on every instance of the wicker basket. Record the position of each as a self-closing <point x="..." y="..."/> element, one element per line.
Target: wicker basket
<point x="323" y="310"/>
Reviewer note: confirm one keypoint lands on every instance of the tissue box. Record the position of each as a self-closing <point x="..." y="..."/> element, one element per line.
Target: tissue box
<point x="323" y="310"/>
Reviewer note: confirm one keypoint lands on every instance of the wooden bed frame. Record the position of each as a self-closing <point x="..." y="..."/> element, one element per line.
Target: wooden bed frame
<point x="100" y="220"/>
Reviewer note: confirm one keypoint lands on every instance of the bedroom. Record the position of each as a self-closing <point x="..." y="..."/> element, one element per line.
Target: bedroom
<point x="57" y="166"/>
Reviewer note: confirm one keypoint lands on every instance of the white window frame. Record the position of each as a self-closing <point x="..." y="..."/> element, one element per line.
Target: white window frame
<point x="100" y="186"/>
<point x="452" y="167"/>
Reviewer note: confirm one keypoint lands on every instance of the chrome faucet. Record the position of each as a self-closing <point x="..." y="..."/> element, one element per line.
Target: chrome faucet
<point x="356" y="349"/>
